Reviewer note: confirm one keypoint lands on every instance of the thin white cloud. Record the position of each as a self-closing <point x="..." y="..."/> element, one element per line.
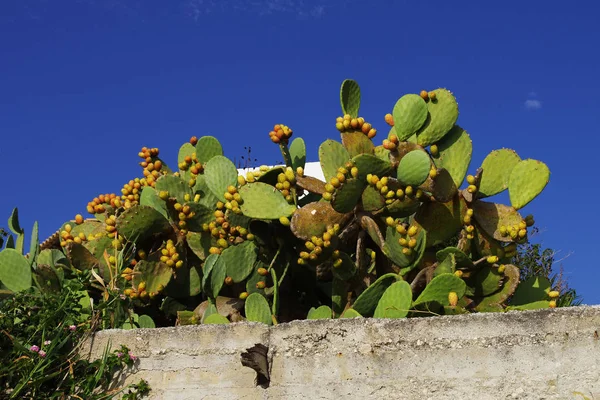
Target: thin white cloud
<point x="531" y="104"/>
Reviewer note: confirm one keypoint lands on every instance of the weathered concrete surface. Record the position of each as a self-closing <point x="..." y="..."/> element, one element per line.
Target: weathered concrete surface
<point x="549" y="354"/>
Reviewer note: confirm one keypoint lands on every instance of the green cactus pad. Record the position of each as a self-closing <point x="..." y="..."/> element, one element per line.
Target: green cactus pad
<point x="207" y="148"/>
<point x="446" y="266"/>
<point x="257" y="309"/>
<point x="239" y="260"/>
<point x="436" y="292"/>
<point x="140" y="222"/>
<point x="220" y="173"/>
<point x="332" y="155"/>
<point x="442" y="188"/>
<point x="346" y="197"/>
<point x="487" y="281"/>
<point x="533" y="289"/>
<point x="214" y="273"/>
<point x="15" y="271"/>
<point x="13" y="222"/>
<point x="216" y="319"/>
<point x="382" y="153"/>
<point x="202" y="215"/>
<point x="323" y="312"/>
<point x="346" y="270"/>
<point x="310" y="184"/>
<point x="155" y="274"/>
<point x="339" y="295"/>
<point x="366" y="303"/>
<point x="536" y="305"/>
<point x="414" y="168"/>
<point x="80" y="257"/>
<point x="370" y="164"/>
<point x="368" y="224"/>
<point x="149" y="197"/>
<point x="199" y="243"/>
<point x="371" y="199"/>
<point x="262" y="201"/>
<point x="454" y="154"/>
<point x="270" y="176"/>
<point x="497" y="167"/>
<point x="90" y="228"/>
<point x="527" y="179"/>
<point x="393" y="249"/>
<point x="462" y="260"/>
<point x="184" y="151"/>
<point x="207" y="198"/>
<point x="314" y="218"/>
<point x="410" y="113"/>
<point x="145" y="321"/>
<point x="351" y="313"/>
<point x="484" y="245"/>
<point x="395" y="302"/>
<point x="53" y="257"/>
<point x="511" y="281"/>
<point x="176" y="187"/>
<point x="350" y="97"/>
<point x="441" y="220"/>
<point x="298" y="153"/>
<point x="441" y="117"/>
<point x="491" y="216"/>
<point x="357" y="143"/>
<point x="403" y="208"/>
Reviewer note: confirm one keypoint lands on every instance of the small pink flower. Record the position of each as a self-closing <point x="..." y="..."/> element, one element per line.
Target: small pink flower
<point x="72" y="328"/>
<point x="119" y="354"/>
<point x="42" y="353"/>
<point x="34" y="348"/>
<point x="47" y="342"/>
<point x="132" y="357"/>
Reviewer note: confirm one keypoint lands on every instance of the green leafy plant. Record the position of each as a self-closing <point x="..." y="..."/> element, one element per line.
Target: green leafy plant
<point x="202" y="244"/>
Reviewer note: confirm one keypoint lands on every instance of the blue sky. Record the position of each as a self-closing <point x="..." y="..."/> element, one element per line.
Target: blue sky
<point x="85" y="83"/>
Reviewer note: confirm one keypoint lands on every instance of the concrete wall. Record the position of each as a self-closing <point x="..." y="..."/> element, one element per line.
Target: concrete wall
<point x="548" y="354"/>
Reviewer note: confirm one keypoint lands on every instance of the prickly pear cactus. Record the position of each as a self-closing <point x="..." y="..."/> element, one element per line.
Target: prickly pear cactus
<point x="369" y="241"/>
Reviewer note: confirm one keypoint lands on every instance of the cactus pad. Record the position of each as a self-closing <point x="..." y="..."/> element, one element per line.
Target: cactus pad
<point x="314" y="219"/>
<point x="310" y="184"/>
<point x="215" y="319"/>
<point x="454" y="154"/>
<point x="371" y="199"/>
<point x="441" y="117"/>
<point x="298" y="153"/>
<point x="442" y="188"/>
<point x="511" y="281"/>
<point x="351" y="313"/>
<point x="156" y="275"/>
<point x="441" y="220"/>
<point x="527" y="179"/>
<point x="332" y="155"/>
<point x="214" y="274"/>
<point x="323" y="312"/>
<point x="487" y="281"/>
<point x="346" y="197"/>
<point x="395" y="302"/>
<point x="199" y="243"/>
<point x="357" y="143"/>
<point x="149" y="197"/>
<point x="139" y="222"/>
<point x="15" y="272"/>
<point x="492" y="216"/>
<point x="176" y="187"/>
<point x="202" y="215"/>
<point x="207" y="148"/>
<point x="462" y="260"/>
<point x="220" y="173"/>
<point x="366" y="303"/>
<point x="262" y="201"/>
<point x="533" y="289"/>
<point x="370" y="164"/>
<point x="436" y="292"/>
<point x="414" y="168"/>
<point x="257" y="309"/>
<point x="187" y="150"/>
<point x="239" y="260"/>
<point x="350" y="97"/>
<point x="410" y="113"/>
<point x="497" y="167"/>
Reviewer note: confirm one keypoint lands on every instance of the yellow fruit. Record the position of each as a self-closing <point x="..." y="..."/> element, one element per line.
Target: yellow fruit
<point x="501" y="268"/>
<point x="260" y="285"/>
<point x="552" y="304"/>
<point x="434" y="150"/>
<point x="262" y="271"/>
<point x="285" y="221"/>
<point x="471" y="188"/>
<point x="432" y="95"/>
<point x="389" y="119"/>
<point x="553" y="294"/>
<point x="470" y="179"/>
<point x="79" y="219"/>
<point x="424" y="95"/>
<point x="492" y="259"/>
<point x="390" y="221"/>
<point x="243" y="295"/>
<point x="458" y="273"/>
<point x="412" y="231"/>
<point x="68" y="228"/>
<point x="141" y="286"/>
<point x="453" y="298"/>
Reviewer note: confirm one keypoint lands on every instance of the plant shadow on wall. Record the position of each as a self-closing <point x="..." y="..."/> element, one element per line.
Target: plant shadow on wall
<point x="393" y="232"/>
